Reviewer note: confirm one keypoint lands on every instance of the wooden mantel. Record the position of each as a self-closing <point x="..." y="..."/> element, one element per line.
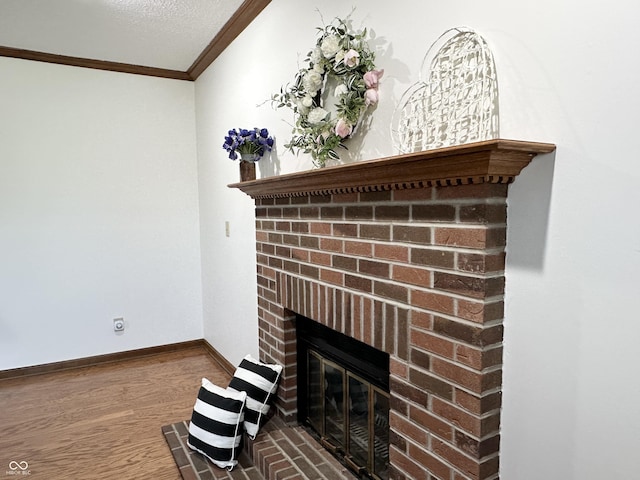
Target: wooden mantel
<point x="492" y="161"/>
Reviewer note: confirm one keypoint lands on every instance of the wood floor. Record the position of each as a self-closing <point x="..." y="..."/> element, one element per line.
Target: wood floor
<point x="103" y="421"/>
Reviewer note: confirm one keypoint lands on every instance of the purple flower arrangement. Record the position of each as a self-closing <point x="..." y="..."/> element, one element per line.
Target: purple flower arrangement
<point x="253" y="142"/>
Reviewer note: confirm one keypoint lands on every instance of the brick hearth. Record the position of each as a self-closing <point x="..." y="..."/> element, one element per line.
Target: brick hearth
<point x="413" y="267"/>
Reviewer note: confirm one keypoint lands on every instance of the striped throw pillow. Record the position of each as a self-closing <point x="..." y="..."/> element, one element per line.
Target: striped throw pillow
<point x="260" y="381"/>
<point x="215" y="429"/>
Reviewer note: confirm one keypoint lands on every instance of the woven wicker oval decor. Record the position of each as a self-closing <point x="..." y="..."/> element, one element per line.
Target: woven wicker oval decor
<point x="455" y="100"/>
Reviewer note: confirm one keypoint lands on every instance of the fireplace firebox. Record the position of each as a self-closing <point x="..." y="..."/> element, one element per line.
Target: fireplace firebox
<point x="344" y="397"/>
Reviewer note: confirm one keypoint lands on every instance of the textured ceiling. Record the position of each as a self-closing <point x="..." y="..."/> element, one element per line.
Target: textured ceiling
<point x="166" y="34"/>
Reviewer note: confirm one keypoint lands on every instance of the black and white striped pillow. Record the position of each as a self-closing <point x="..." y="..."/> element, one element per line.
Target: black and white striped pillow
<point x="215" y="427"/>
<point x="260" y="381"/>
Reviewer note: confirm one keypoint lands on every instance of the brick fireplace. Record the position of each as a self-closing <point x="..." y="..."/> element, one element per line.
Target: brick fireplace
<point x="407" y="255"/>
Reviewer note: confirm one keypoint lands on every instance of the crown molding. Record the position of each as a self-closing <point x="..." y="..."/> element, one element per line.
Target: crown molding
<point x="245" y="14"/>
<point x="90" y="63"/>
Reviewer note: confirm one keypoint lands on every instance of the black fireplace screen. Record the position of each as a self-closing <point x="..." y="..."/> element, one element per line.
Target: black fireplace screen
<point x="344" y="398"/>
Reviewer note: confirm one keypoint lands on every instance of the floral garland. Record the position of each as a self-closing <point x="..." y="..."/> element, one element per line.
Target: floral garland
<point x="347" y="57"/>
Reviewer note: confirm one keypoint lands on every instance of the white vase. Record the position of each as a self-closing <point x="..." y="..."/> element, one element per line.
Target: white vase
<point x="249" y="157"/>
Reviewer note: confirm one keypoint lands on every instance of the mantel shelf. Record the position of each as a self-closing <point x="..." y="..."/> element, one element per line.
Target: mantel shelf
<point x="492" y="161"/>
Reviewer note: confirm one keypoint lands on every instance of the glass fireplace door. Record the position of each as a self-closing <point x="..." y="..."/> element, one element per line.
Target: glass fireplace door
<point x="350" y="415"/>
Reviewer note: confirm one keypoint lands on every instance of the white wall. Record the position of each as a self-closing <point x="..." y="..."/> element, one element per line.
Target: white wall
<point x="228" y="262"/>
<point x="98" y="213"/>
<point x="567" y="73"/>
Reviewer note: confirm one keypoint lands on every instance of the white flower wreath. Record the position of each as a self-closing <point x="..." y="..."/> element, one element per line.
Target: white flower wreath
<point x="347" y="57"/>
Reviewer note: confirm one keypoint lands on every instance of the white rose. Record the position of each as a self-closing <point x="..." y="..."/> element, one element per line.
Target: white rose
<point x="316" y="56"/>
<point x="330" y="46"/>
<point x="302" y="110"/>
<point x="340" y="90"/>
<point x="318" y="68"/>
<point x="312" y="81"/>
<point x="317" y="115"/>
<point x="307" y="101"/>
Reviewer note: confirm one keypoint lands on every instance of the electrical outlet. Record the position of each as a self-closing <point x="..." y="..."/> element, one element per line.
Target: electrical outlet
<point x="118" y="324"/>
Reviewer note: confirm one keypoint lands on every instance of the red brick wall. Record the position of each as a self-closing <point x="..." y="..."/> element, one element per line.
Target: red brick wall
<point x="416" y="272"/>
